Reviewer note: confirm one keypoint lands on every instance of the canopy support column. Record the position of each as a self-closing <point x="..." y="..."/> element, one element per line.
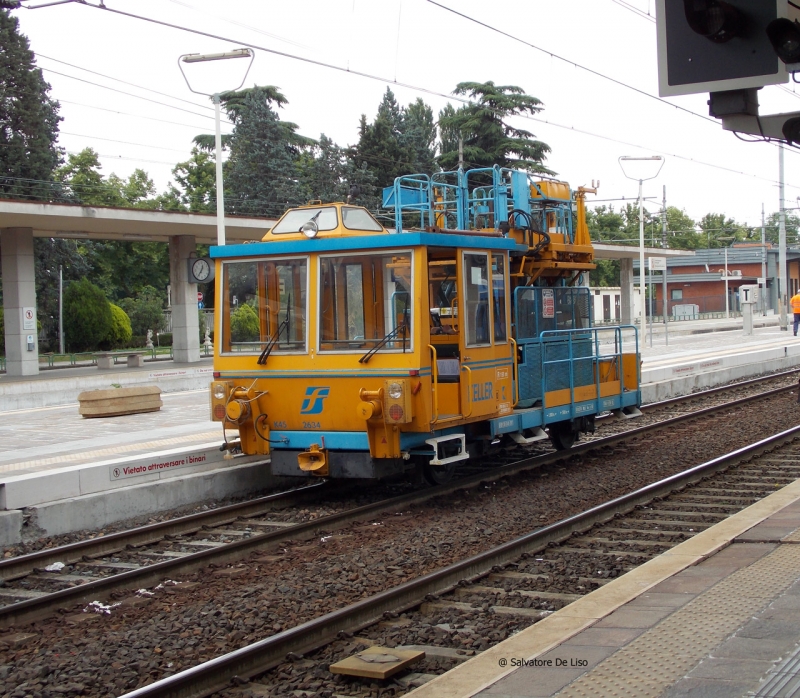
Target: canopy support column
<point x="19" y="302"/>
<point x="185" y="322"/>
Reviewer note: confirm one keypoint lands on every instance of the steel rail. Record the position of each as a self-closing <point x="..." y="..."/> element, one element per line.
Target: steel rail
<point x="205" y="679"/>
<point x="20" y="566"/>
<point x="650" y="406"/>
<point x="35" y="609"/>
<point x="719" y="389"/>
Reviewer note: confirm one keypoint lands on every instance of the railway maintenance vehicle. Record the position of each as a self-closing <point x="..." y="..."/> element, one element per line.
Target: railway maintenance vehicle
<point x="348" y="350"/>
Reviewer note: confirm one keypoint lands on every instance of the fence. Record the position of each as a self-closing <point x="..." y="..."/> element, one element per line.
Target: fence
<point x="88" y="358"/>
<point x="208" y="314"/>
<point x="709" y="307"/>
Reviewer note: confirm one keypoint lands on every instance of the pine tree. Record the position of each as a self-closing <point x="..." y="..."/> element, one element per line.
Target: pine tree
<point x="323" y="172"/>
<point x="381" y="144"/>
<point x="488" y="139"/>
<point x="28" y="118"/>
<point x="262" y="175"/>
<point x="419" y="135"/>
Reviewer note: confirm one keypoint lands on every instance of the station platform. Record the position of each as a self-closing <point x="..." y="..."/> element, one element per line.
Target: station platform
<point x="61" y="386"/>
<point x="60" y="472"/>
<point x="717" y="616"/>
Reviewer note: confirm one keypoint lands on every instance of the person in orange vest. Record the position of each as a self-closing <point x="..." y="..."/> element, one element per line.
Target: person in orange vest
<point x="795" y="303"/>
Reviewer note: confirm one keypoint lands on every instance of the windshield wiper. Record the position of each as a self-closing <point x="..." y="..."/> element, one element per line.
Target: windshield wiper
<point x="273" y="340"/>
<point x="402" y="327"/>
<point x="390" y="336"/>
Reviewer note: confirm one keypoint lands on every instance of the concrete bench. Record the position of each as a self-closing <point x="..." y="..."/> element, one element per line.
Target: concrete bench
<point x="107" y="359"/>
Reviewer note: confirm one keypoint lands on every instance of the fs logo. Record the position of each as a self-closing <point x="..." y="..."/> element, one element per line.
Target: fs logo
<point x="314" y="397"/>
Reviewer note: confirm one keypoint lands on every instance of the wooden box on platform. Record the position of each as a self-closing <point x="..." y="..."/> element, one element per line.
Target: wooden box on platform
<point x="118" y="401"/>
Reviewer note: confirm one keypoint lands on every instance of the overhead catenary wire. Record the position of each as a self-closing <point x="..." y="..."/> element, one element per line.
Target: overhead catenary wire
<point x="115" y="140"/>
<point x="124" y="82"/>
<point x="455" y="98"/>
<point x="426" y="90"/>
<point x="127" y="113"/>
<point x="635" y="10"/>
<point x="596" y="73"/>
<point x="130" y="94"/>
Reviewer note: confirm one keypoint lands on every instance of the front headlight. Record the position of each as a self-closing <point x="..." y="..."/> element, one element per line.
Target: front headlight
<point x="395" y="391"/>
<point x="310" y="229"/>
<point x="219" y="391"/>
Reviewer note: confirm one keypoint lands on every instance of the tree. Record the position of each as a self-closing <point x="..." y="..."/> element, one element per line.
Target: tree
<point x="720" y="231"/>
<point x="87" y="316"/>
<point x="121" y="332"/>
<point x="83" y="179"/>
<point x="119" y="268"/>
<point x="323" y="171"/>
<point x="244" y="324"/>
<point x="605" y="224"/>
<point x="386" y="146"/>
<point x="28" y="118"/>
<point x="488" y="138"/>
<point x="261" y="175"/>
<point x="197" y="179"/>
<point x="86" y="185"/>
<point x="145" y="310"/>
<point x="123" y="269"/>
<point x="49" y="254"/>
<point x="327" y="174"/>
<point x="419" y="136"/>
<point x="772" y="232"/>
<point x="135" y="192"/>
<point x="682" y="231"/>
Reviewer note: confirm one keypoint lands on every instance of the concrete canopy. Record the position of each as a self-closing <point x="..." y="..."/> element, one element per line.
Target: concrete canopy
<point x="128" y="224"/>
<point x="602" y="251"/>
<point x="22" y="221"/>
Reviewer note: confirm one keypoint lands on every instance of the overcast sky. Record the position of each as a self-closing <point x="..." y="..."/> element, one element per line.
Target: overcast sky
<point x="418" y="49"/>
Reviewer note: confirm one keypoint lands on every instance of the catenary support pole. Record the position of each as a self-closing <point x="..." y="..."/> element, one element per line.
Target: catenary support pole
<point x="665" y="245"/>
<point x="641" y="259"/>
<point x="220" y="187"/>
<point x="60" y="309"/>
<point x="782" y="279"/>
<point x="763" y="262"/>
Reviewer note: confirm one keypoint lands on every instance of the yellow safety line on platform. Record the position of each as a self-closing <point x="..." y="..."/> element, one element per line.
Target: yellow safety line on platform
<point x="662" y="655"/>
<point x="480" y="672"/>
<point x="201" y="437"/>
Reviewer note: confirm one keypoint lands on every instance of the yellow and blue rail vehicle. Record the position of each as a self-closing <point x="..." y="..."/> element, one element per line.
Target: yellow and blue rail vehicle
<point x="347" y="350"/>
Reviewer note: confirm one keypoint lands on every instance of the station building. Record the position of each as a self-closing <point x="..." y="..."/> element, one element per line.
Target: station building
<point x="700" y="280"/>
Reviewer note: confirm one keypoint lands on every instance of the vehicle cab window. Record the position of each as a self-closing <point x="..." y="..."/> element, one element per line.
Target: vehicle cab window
<point x="365" y="302"/>
<point x="264" y="301"/>
<point x="324" y="216"/>
<point x="477" y="316"/>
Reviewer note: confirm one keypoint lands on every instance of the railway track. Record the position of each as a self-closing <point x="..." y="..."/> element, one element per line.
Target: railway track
<point x="466" y="607"/>
<point x="34" y="585"/>
<point x="285" y="583"/>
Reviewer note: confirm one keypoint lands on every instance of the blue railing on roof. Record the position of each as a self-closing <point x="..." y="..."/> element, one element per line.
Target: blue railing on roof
<point x="477" y="199"/>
